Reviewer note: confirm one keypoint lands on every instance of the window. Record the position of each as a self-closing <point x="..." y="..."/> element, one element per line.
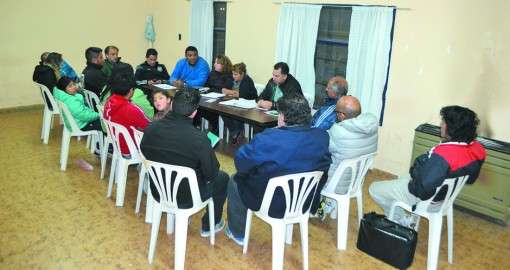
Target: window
<point x="220" y="23"/>
<point x="331" y="48"/>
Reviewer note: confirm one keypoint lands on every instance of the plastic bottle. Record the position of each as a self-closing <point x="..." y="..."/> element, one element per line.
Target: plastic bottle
<point x="84" y="165"/>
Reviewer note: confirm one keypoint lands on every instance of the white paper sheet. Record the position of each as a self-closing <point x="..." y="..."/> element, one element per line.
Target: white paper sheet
<point x="165" y="86"/>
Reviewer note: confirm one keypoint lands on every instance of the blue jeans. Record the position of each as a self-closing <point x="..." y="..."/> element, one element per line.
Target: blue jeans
<point x="236" y="210"/>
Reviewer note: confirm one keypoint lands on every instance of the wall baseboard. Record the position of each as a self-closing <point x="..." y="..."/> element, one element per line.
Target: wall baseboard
<point x="22" y="108"/>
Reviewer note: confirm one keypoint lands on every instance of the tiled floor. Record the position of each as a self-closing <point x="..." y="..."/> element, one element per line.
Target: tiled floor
<point x="62" y="220"/>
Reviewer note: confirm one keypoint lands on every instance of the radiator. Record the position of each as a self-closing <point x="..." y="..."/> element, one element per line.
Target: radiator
<point x="490" y="194"/>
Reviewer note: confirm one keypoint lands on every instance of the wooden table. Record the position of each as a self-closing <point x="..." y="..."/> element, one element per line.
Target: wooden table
<point x="252" y="117"/>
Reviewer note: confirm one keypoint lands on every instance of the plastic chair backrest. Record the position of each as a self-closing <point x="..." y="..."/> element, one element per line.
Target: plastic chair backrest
<point x="138" y="135"/>
<point x="304" y="183"/>
<point x="260" y="87"/>
<point x="357" y="166"/>
<point x="45" y="92"/>
<point x="69" y="120"/>
<point x="167" y="179"/>
<point x="115" y="131"/>
<point x="454" y="186"/>
<point x="91" y="98"/>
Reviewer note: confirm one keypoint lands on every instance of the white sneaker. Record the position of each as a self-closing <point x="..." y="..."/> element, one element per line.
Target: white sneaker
<point x="218" y="227"/>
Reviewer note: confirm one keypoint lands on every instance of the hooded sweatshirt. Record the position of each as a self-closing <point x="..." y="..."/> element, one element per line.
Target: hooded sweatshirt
<point x="76" y="105"/>
<point x="352" y="138"/>
<point x="45" y="75"/>
<point x="120" y="110"/>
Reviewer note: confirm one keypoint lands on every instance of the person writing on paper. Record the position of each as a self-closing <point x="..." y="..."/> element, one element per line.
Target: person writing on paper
<point x="174" y="140"/>
<point x="221" y="76"/>
<point x="191" y="71"/>
<point x="151" y="71"/>
<point x="162" y="103"/>
<point x="243" y="87"/>
<point x="281" y="84"/>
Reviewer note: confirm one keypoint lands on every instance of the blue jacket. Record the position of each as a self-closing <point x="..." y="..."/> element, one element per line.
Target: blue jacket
<point x="325" y="117"/>
<point x="194" y="76"/>
<point x="276" y="152"/>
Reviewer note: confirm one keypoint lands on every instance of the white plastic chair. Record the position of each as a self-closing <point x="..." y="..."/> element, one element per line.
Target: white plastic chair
<point x="47" y="113"/>
<point x="92" y="100"/>
<point x="71" y="131"/>
<point x="162" y="175"/>
<point x="121" y="163"/>
<point x="434" y="212"/>
<point x="143" y="183"/>
<point x="358" y="168"/>
<point x="260" y="87"/>
<point x="294" y="213"/>
<point x="107" y="141"/>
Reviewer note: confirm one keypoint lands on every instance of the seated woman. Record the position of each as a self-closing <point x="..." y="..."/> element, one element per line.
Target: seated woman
<point x="47" y="72"/>
<point x="219" y="78"/>
<point x="243" y="87"/>
<point x="66" y="91"/>
<point x="162" y="103"/>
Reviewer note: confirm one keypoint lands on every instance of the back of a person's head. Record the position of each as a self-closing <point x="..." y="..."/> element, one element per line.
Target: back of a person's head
<point x="239" y="68"/>
<point x="461" y="123"/>
<point x="185" y="102"/>
<point x="91" y="53"/>
<point x="350" y="106"/>
<point x="191" y="49"/>
<point x="54" y="59"/>
<point x="122" y="79"/>
<point x="295" y="109"/>
<point x="283" y="67"/>
<point x="44" y="55"/>
<point x="150" y="52"/>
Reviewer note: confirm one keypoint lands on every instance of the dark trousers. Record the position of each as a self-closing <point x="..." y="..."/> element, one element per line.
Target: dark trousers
<point x="218" y="189"/>
<point x="213" y="119"/>
<point x="234" y="126"/>
<point x="236" y="210"/>
<point x="94" y="125"/>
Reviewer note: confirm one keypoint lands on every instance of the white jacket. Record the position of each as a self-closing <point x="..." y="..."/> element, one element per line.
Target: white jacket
<point x="352" y="138"/>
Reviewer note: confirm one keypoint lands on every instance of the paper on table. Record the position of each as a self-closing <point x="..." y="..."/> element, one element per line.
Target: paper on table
<point x="165" y="86"/>
<point x="272" y="112"/>
<point x="213" y="95"/>
<point x="241" y="103"/>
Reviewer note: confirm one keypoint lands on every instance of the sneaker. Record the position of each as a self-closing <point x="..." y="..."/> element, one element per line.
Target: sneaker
<point x="238" y="240"/>
<point x="218" y="227"/>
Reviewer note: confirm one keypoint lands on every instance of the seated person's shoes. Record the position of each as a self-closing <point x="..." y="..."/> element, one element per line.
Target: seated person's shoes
<point x="218" y="227"/>
<point x="238" y="240"/>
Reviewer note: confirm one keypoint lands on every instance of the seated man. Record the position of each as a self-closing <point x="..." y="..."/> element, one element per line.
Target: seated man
<point x="191" y="71"/>
<point x="292" y="147"/>
<point x="120" y="110"/>
<point x="325" y="117"/>
<point x="95" y="79"/>
<point x="457" y="155"/>
<point x="150" y="71"/>
<point x="174" y="140"/>
<point x="354" y="135"/>
<point x="112" y="58"/>
<point x="281" y="84"/>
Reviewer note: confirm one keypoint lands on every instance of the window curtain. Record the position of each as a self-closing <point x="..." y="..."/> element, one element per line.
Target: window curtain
<point x="368" y="56"/>
<point x="201" y="27"/>
<point x="295" y="43"/>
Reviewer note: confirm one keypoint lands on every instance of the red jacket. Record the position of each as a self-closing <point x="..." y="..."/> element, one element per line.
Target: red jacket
<point x="120" y="110"/>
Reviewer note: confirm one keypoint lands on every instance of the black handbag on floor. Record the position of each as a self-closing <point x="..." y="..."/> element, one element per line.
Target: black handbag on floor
<point x="386" y="240"/>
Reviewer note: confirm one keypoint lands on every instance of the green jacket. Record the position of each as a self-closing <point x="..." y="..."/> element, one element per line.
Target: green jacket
<point x="107" y="68"/>
<point x="76" y="105"/>
<point x="139" y="99"/>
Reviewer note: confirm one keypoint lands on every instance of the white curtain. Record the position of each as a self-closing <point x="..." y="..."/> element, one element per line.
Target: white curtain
<point x="368" y="56"/>
<point x="295" y="43"/>
<point x="201" y="27"/>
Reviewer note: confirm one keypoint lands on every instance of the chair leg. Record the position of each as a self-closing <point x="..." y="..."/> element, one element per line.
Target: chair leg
<point x="122" y="169"/>
<point x="47" y="127"/>
<point x="212" y="222"/>
<point x="43" y="126"/>
<point x="64" y="151"/>
<point x="170" y="223"/>
<point x="141" y="181"/>
<point x="181" y="235"/>
<point x="342" y="223"/>
<point x="303" y="228"/>
<point x="288" y="234"/>
<point x="249" y="216"/>
<point x="104" y="155"/>
<point x="435" y="223"/>
<point x="156" y="213"/>
<point x="148" y="208"/>
<point x="449" y="221"/>
<point x="113" y="170"/>
<point x="359" y="201"/>
<point x="221" y="127"/>
<point x="278" y="245"/>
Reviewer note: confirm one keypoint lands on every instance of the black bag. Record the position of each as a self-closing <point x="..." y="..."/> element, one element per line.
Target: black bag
<point x="386" y="240"/>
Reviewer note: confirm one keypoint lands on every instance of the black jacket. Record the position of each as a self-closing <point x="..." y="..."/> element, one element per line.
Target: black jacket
<point x="219" y="80"/>
<point x="290" y="86"/>
<point x="247" y="88"/>
<point x="45" y="75"/>
<point x="174" y="140"/>
<point x="146" y="72"/>
<point x="95" y="79"/>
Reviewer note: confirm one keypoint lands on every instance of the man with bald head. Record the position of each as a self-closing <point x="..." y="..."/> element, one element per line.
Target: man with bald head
<point x="325" y="117"/>
<point x="354" y="135"/>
